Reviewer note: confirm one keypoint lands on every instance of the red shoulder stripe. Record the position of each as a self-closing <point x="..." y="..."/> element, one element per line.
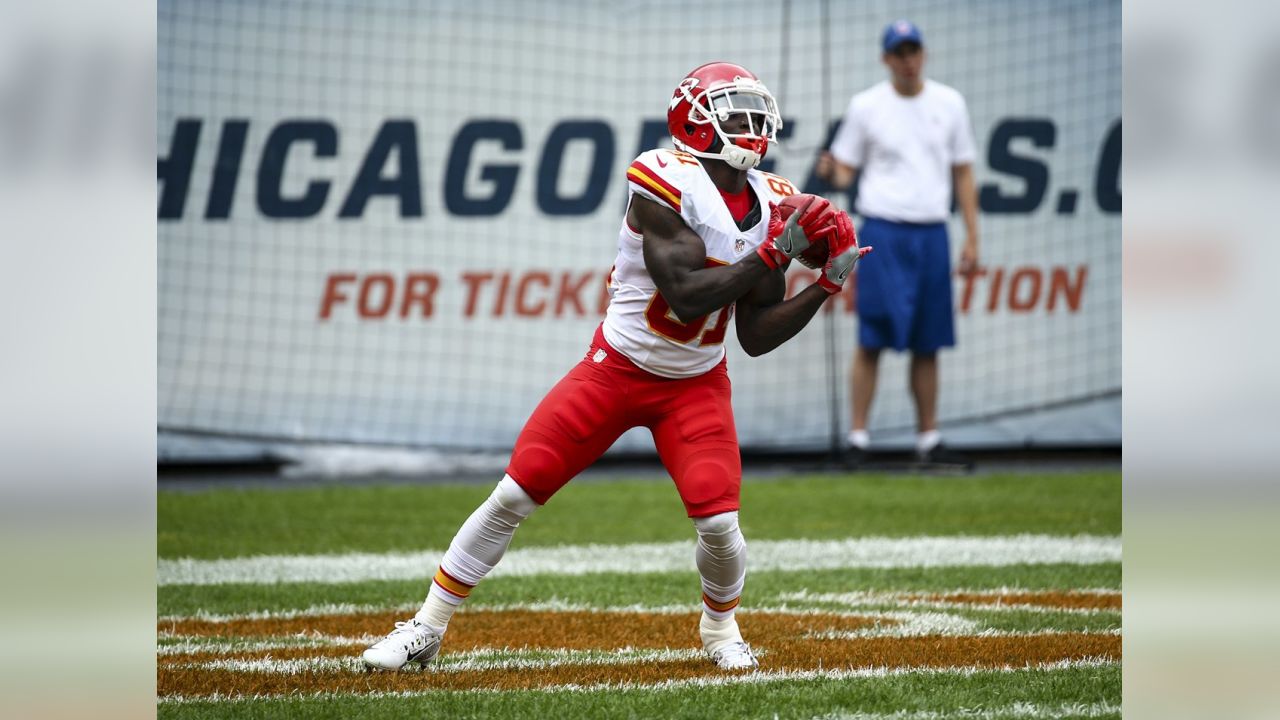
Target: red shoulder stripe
<point x="654" y="183"/>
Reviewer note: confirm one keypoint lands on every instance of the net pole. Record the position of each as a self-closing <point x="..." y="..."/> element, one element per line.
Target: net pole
<point x="833" y="390"/>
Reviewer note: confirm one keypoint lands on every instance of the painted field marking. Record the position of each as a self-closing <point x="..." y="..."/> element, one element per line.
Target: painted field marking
<point x="992" y="600"/>
<point x="189" y="644"/>
<point x="870" y="552"/>
<point x="533" y="649"/>
<point x="809" y="604"/>
<point x="906" y="625"/>
<point x="456" y="662"/>
<point x="903" y="625"/>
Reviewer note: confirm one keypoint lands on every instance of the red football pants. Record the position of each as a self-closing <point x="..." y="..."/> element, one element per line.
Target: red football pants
<point x="588" y="410"/>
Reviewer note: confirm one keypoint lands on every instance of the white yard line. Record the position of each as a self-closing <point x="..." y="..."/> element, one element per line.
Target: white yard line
<point x="913" y="599"/>
<point x="541" y="659"/>
<point x="459" y="662"/>
<point x="312" y="611"/>
<point x="904" y="624"/>
<point x="909" y="624"/>
<point x="870" y="552"/>
<point x="930" y="629"/>
<point x="846" y="608"/>
<point x="188" y="644"/>
<point x="912" y="625"/>
<point x="750" y="678"/>
<point x="409" y="608"/>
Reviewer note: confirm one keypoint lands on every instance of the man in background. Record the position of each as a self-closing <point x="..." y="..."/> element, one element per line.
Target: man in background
<point x="910" y="141"/>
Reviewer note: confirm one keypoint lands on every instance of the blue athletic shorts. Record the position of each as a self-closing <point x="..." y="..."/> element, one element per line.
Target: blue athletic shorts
<point x="904" y="287"/>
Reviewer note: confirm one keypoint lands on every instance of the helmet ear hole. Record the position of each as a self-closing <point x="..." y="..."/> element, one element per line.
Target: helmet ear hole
<point x="689" y="128"/>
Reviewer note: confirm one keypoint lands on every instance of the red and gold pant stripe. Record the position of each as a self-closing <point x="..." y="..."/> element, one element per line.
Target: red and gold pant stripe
<point x="720" y="606"/>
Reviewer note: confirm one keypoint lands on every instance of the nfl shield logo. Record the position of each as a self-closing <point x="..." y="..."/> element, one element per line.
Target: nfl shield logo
<point x="739" y="245"/>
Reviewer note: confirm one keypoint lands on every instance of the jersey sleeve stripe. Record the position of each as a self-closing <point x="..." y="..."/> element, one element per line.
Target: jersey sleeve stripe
<point x="650" y="180"/>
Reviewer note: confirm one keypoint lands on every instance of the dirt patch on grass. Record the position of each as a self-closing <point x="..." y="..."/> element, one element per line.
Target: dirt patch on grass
<point x="788" y="641"/>
<point x="1047" y="599"/>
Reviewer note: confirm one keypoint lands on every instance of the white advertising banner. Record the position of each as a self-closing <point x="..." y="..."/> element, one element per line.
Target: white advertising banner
<point x="391" y="223"/>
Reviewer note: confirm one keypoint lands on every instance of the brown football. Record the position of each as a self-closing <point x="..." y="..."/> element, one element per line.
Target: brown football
<point x="814" y="256"/>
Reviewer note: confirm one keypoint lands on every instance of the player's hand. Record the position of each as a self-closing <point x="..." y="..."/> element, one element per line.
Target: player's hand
<point x="845" y="253"/>
<point x="807" y="224"/>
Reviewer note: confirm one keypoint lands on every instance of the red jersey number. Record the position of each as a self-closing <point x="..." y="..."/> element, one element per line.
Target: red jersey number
<point x="779" y="185"/>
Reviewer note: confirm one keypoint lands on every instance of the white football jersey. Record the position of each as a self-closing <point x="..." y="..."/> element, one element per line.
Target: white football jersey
<point x="639" y="323"/>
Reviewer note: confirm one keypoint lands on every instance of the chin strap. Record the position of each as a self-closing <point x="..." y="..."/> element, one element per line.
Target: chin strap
<point x="738" y="158"/>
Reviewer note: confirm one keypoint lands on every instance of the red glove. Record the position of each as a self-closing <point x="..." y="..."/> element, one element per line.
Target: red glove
<point x="810" y="219"/>
<point x="845" y="253"/>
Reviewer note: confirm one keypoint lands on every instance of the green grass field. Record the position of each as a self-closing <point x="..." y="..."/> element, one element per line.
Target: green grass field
<point x="875" y="597"/>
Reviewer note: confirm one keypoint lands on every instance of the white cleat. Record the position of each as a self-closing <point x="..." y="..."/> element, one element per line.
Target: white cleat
<point x="410" y="642"/>
<point x="735" y="656"/>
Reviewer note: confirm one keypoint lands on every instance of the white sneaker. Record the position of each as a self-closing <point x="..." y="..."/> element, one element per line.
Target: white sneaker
<point x="735" y="656"/>
<point x="411" y="641"/>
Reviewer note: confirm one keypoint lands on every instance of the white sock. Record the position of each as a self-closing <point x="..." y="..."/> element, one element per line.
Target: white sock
<point x="718" y="633"/>
<point x="479" y="544"/>
<point x="436" y="612"/>
<point x="860" y="439"/>
<point x="928" y="440"/>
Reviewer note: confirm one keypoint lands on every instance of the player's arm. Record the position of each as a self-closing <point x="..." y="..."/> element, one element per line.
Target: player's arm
<point x="676" y="259"/>
<point x="765" y="320"/>
<point x="967" y="197"/>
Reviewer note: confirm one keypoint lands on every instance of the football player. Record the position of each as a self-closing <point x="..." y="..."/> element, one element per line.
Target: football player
<point x="705" y="237"/>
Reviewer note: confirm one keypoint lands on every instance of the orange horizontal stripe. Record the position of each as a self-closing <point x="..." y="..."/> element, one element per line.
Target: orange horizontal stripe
<point x="720" y="606"/>
<point x="443" y="579"/>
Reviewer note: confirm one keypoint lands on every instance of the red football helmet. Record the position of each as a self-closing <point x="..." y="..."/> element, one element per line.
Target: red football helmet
<point x="709" y="96"/>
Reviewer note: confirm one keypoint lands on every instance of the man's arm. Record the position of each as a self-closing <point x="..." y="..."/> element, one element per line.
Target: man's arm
<point x="765" y="320"/>
<point x="676" y="257"/>
<point x="967" y="197"/>
<point x="839" y="175"/>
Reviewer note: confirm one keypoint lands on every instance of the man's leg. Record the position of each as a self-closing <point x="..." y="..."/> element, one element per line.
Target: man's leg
<point x="883" y="310"/>
<point x="475" y="549"/>
<point x="924" y="388"/>
<point x="572" y="427"/>
<point x="933" y="328"/>
<point x="722" y="562"/>
<point x="574" y="424"/>
<point x="862" y="378"/>
<point x="698" y="443"/>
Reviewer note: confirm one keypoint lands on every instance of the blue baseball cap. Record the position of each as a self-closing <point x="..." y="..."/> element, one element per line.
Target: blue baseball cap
<point x="900" y="31"/>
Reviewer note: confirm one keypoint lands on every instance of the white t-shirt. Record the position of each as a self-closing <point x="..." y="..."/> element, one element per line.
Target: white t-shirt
<point x="904" y="148"/>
